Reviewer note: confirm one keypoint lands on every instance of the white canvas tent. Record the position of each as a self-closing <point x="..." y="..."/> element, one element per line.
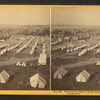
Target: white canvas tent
<point x="24" y="64"/>
<point x="83" y="76"/>
<point x="18" y="64"/>
<point x="4" y="76"/>
<point x="98" y="63"/>
<point x="42" y="59"/>
<point x="60" y="73"/>
<point x="37" y="81"/>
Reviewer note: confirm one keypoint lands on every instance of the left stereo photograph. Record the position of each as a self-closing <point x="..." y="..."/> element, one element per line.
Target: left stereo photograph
<point x="24" y="48"/>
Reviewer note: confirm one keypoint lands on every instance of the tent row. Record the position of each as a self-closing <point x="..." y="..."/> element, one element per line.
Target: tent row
<point x="4" y="45"/>
<point x="81" y="77"/>
<point x="15" y="46"/>
<point x="59" y="47"/>
<point x="3" y="52"/>
<point x="54" y="42"/>
<point x="24" y="46"/>
<point x="81" y="47"/>
<point x="2" y="40"/>
<point x="21" y="64"/>
<point x="77" y="48"/>
<point x="36" y="81"/>
<point x="82" y="52"/>
<point x="58" y="41"/>
<point x="42" y="60"/>
<point x="33" y="48"/>
<point x="9" y="49"/>
<point x="93" y="47"/>
<point x="70" y="45"/>
<point x="88" y="49"/>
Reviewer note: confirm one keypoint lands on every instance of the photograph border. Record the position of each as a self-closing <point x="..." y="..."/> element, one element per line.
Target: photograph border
<point x="50" y="92"/>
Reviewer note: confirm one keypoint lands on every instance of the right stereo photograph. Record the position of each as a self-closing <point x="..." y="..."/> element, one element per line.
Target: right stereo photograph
<point x="75" y="48"/>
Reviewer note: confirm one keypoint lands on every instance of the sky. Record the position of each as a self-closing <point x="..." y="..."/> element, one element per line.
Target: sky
<point x="75" y="15"/>
<point x="25" y="15"/>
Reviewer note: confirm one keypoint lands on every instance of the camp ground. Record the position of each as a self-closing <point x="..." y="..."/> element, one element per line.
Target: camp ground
<point x="22" y="55"/>
<point x="78" y="51"/>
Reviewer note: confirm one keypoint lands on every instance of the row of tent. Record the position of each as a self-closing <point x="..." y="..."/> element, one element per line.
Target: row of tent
<point x="21" y="64"/>
<point x="36" y="81"/>
<point x="33" y="48"/>
<point x="59" y="40"/>
<point x="57" y="48"/>
<point x="70" y="45"/>
<point x="15" y="46"/>
<point x="4" y="45"/>
<point x="88" y="49"/>
<point x="77" y="48"/>
<point x="24" y="46"/>
<point x="81" y="77"/>
<point x="2" y="40"/>
<point x="42" y="60"/>
<point x="71" y="48"/>
<point x="10" y="48"/>
<point x="81" y="47"/>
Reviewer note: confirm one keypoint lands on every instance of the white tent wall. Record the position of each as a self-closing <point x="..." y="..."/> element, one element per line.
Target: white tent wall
<point x="80" y="78"/>
<point x="2" y="80"/>
<point x="41" y="84"/>
<point x="59" y="76"/>
<point x="55" y="74"/>
<point x="42" y="59"/>
<point x="34" y="83"/>
<point x="37" y="81"/>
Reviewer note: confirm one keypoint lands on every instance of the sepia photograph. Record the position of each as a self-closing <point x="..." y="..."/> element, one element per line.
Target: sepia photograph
<point x="24" y="48"/>
<point x="75" y="48"/>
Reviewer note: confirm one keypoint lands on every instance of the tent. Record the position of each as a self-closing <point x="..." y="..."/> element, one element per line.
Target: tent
<point x="37" y="81"/>
<point x="4" y="76"/>
<point x="60" y="73"/>
<point x="83" y="76"/>
<point x="24" y="64"/>
<point x="18" y="64"/>
<point x="42" y="59"/>
<point x="98" y="63"/>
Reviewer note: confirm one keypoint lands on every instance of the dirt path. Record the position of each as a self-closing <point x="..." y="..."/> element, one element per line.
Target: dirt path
<point x="14" y="60"/>
<point x="91" y="61"/>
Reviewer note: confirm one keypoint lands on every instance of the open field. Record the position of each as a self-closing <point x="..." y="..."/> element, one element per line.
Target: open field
<point x="20" y="76"/>
<point x="73" y="63"/>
